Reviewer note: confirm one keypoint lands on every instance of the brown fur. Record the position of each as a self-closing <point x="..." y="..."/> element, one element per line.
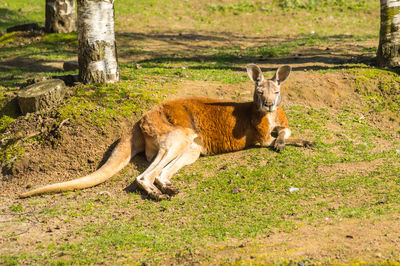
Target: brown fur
<point x="176" y="132"/>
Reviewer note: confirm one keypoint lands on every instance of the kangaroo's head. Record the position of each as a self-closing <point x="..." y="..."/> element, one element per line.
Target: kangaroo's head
<point x="267" y="93"/>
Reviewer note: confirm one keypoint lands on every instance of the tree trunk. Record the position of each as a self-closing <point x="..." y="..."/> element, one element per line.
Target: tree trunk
<point x="41" y="96"/>
<point x="388" y="54"/>
<point x="97" y="56"/>
<point x="60" y="16"/>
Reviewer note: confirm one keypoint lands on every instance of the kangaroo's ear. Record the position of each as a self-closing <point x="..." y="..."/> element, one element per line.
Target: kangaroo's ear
<point x="282" y="74"/>
<point x="255" y="73"/>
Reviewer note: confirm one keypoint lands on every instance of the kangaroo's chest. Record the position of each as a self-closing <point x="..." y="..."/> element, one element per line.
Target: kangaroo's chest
<point x="264" y="126"/>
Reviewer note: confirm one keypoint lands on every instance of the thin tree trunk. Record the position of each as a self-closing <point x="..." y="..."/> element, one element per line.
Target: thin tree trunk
<point x="60" y="16"/>
<point x="97" y="55"/>
<point x="388" y="54"/>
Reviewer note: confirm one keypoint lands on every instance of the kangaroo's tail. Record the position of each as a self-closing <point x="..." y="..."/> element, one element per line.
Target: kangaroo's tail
<point x="127" y="148"/>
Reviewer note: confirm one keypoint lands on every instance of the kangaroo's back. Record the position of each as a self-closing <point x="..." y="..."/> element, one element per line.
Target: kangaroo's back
<point x="221" y="125"/>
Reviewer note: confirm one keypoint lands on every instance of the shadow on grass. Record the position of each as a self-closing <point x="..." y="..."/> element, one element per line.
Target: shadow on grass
<point x="26" y="64"/>
<point x="334" y="64"/>
<point x="213" y="50"/>
<point x="12" y="68"/>
<point x="225" y="50"/>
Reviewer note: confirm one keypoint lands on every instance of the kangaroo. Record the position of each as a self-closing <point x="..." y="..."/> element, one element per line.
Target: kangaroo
<point x="176" y="132"/>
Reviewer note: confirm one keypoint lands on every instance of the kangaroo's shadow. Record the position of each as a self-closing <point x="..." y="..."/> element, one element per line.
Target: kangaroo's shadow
<point x="141" y="165"/>
<point x="139" y="161"/>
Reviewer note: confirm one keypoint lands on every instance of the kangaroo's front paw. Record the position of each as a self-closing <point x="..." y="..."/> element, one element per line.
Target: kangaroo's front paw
<point x="309" y="144"/>
<point x="279" y="145"/>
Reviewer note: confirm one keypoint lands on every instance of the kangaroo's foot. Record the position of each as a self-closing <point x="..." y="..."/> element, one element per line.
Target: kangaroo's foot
<point x="151" y="190"/>
<point x="168" y="189"/>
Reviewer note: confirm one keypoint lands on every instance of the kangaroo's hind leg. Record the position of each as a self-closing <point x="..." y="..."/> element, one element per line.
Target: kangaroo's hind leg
<point x="171" y="146"/>
<point x="190" y="155"/>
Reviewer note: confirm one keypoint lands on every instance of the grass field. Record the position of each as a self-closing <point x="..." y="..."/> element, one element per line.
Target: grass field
<point x="337" y="203"/>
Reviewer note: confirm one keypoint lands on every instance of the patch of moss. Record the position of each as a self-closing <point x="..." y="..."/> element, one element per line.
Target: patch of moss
<point x="61" y="37"/>
<point x="7" y="38"/>
<point x="106" y="104"/>
<point x="380" y="88"/>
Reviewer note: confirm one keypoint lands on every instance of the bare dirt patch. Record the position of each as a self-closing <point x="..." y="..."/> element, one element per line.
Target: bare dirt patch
<point x="349" y="240"/>
<point x="350" y="168"/>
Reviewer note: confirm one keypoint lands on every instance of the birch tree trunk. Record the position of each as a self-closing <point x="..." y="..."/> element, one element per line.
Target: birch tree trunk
<point x="97" y="56"/>
<point x="388" y="54"/>
<point x="60" y="16"/>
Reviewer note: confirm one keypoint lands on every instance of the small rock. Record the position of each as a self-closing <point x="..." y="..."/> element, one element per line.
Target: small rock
<point x="293" y="189"/>
<point x="138" y="66"/>
<point x="105" y="193"/>
<point x="222" y="167"/>
<point x="237" y="190"/>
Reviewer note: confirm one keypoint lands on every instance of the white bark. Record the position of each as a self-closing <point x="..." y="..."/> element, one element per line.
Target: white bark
<point x="97" y="50"/>
<point x="388" y="54"/>
<point x="390" y="3"/>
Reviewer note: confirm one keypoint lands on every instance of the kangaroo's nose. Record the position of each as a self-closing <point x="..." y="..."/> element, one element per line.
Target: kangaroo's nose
<point x="268" y="103"/>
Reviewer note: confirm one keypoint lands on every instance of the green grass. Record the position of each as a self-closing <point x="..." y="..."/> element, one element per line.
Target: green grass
<point x="19" y="12"/>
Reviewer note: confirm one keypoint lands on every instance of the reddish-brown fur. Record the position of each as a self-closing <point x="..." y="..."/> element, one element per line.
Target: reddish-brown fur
<point x="222" y="126"/>
<point x="176" y="132"/>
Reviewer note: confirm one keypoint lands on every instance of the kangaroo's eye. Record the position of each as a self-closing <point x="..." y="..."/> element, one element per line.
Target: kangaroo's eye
<point x="277" y="92"/>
